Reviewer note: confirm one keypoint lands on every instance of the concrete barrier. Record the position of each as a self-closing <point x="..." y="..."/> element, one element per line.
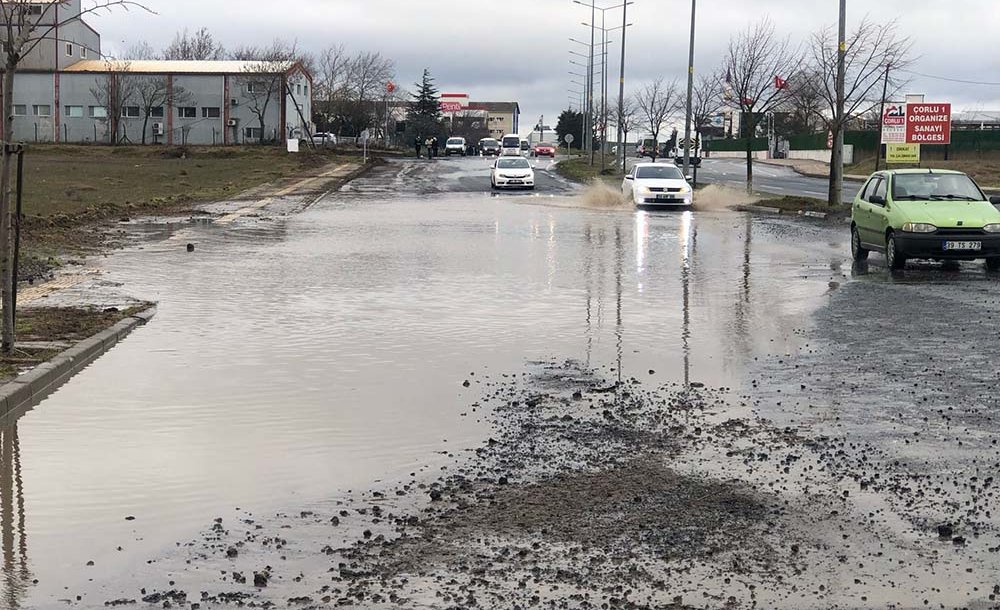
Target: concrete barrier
<point x="30" y="388"/>
<point x="823" y="155"/>
<point x="735" y="154"/>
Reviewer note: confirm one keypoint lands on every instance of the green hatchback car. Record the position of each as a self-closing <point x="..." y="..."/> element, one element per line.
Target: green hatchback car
<point x="925" y="213"/>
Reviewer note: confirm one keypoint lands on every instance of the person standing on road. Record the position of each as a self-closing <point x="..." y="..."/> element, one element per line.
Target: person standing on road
<point x="427" y="145"/>
<point x="416" y="145"/>
<point x="434" y="145"/>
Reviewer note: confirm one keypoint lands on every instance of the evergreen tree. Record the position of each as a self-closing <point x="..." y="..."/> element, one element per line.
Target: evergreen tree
<point x="570" y="121"/>
<point x="424" y="115"/>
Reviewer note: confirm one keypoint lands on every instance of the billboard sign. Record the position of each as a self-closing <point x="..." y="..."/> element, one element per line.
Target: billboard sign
<point x="902" y="153"/>
<point x="928" y="123"/>
<point x="894" y="124"/>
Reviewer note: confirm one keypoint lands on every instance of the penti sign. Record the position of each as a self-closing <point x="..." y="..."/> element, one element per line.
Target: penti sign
<point x="928" y="123"/>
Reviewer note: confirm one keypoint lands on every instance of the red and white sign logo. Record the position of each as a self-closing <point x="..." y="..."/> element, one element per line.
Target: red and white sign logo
<point x="895" y="114"/>
<point x="928" y="123"/>
<point x="451" y="106"/>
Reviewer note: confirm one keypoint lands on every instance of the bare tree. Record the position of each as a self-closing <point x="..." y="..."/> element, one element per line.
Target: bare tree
<point x="804" y="104"/>
<point x="756" y="65"/>
<point x="871" y="48"/>
<point x="367" y="75"/>
<point x="150" y="91"/>
<point x="625" y="115"/>
<point x="263" y="76"/>
<point x="113" y="91"/>
<point x="706" y="103"/>
<point x="198" y="46"/>
<point x="656" y="103"/>
<point x="139" y="51"/>
<point x="331" y="82"/>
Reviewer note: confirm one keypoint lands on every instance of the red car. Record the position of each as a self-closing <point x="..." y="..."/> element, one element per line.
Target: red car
<point x="544" y="150"/>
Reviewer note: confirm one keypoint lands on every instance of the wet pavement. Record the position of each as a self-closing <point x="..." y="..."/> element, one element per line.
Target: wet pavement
<point x="771" y="427"/>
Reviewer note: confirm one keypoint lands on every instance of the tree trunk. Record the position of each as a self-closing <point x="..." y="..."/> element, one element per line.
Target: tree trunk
<point x="836" y="166"/>
<point x="145" y="124"/>
<point x="6" y="188"/>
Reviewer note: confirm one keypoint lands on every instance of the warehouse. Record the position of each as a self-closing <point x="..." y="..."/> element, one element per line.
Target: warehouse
<point x="65" y="92"/>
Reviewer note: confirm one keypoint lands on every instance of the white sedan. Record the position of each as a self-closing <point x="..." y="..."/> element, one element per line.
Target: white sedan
<point x="512" y="172"/>
<point x="657" y="184"/>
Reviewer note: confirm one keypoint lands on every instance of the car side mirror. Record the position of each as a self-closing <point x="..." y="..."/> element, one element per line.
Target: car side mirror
<point x="995" y="200"/>
<point x="630" y="177"/>
<point x="688" y="178"/>
<point x="877" y="200"/>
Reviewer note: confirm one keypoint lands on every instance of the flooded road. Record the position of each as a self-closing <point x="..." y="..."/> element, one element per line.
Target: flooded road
<point x="297" y="361"/>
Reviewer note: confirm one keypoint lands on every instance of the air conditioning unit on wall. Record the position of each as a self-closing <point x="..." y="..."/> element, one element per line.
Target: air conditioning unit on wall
<point x="157" y="129"/>
<point x="233" y="122"/>
<point x="234" y="102"/>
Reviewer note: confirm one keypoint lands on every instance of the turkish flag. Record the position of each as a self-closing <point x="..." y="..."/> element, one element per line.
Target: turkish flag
<point x="780" y="83"/>
<point x="390" y="87"/>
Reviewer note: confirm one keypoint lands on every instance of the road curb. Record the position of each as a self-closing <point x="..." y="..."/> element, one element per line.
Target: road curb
<point x="31" y="387"/>
<point x="763" y="209"/>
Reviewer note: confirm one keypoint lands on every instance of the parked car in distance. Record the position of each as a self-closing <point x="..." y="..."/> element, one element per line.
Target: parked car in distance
<point x="510" y="144"/>
<point x="322" y="138"/>
<point x="525" y="147"/>
<point x="489" y="147"/>
<point x="657" y="184"/>
<point x="927" y="214"/>
<point x="454" y="146"/>
<point x="544" y="149"/>
<point x="512" y="172"/>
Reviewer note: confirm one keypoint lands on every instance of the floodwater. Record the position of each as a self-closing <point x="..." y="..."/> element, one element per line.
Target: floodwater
<point x="297" y="358"/>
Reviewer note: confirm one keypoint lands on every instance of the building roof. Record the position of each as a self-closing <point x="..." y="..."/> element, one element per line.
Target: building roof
<point x="511" y="107"/>
<point x="182" y="67"/>
<point x="978" y="116"/>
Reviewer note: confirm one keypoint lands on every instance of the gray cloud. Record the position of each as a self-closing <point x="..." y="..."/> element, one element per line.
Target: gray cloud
<point x="518" y="49"/>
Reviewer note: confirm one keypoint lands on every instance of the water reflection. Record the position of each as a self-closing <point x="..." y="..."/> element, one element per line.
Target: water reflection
<point x="16" y="576"/>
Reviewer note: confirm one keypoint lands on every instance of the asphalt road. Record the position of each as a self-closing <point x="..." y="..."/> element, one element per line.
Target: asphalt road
<point x="769" y="179"/>
<point x="419" y="393"/>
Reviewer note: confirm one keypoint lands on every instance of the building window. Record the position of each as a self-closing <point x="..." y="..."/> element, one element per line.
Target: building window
<point x="156" y="112"/>
<point x="305" y="89"/>
<point x="210" y="112"/>
<point x="41" y="110"/>
<point x="20" y="109"/>
<point x="187" y="112"/>
<point x="97" y="112"/>
<point x="131" y="112"/>
<point x="252" y="133"/>
<point x="83" y="52"/>
<point x="255" y="87"/>
<point x="69" y="49"/>
<point x="74" y="112"/>
<point x="35" y="9"/>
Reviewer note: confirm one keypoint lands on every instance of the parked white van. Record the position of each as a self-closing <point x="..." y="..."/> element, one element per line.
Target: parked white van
<point x="510" y="145"/>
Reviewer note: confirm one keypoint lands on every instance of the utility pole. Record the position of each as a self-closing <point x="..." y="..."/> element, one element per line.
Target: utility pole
<point x="590" y="100"/>
<point x="621" y="89"/>
<point x="881" y="116"/>
<point x="837" y="156"/>
<point x="604" y="87"/>
<point x="690" y="93"/>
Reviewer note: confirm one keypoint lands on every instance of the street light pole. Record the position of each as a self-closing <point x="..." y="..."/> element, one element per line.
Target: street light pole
<point x="590" y="100"/>
<point x="837" y="156"/>
<point x="690" y="93"/>
<point x="881" y="117"/>
<point x="621" y="89"/>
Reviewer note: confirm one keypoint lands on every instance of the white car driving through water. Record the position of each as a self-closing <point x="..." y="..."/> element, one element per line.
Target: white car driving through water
<point x="512" y="172"/>
<point x="657" y="184"/>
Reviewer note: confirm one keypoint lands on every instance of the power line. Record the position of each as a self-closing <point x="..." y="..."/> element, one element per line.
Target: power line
<point x="952" y="80"/>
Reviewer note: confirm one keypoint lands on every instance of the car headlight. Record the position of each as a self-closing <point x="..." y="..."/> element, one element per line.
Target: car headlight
<point x="685" y="190"/>
<point x="919" y="227"/>
<point x="994" y="228"/>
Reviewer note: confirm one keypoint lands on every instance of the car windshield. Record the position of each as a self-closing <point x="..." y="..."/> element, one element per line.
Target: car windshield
<point x="935" y="187"/>
<point x="659" y="172"/>
<point x="489" y="143"/>
<point x="544" y="145"/>
<point x="513" y="163"/>
<point x="456" y="141"/>
<point x="511" y="143"/>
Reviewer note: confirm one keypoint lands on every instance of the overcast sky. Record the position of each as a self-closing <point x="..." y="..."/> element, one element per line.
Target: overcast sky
<point x="518" y="50"/>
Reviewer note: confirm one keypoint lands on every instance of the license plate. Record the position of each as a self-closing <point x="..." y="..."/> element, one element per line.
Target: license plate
<point x="666" y="197"/>
<point x="963" y="245"/>
<point x="515" y="182"/>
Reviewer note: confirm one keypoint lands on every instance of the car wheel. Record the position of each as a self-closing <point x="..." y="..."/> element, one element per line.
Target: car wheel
<point x="993" y="264"/>
<point x="858" y="252"/>
<point x="893" y="257"/>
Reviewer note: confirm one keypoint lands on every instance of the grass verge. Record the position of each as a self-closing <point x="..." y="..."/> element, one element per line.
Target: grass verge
<point x="794" y="204"/>
<point x="579" y="169"/>
<point x="62" y="324"/>
<point x="984" y="170"/>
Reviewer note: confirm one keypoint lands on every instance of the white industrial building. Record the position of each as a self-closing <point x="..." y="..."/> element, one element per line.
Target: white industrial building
<point x="65" y="91"/>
